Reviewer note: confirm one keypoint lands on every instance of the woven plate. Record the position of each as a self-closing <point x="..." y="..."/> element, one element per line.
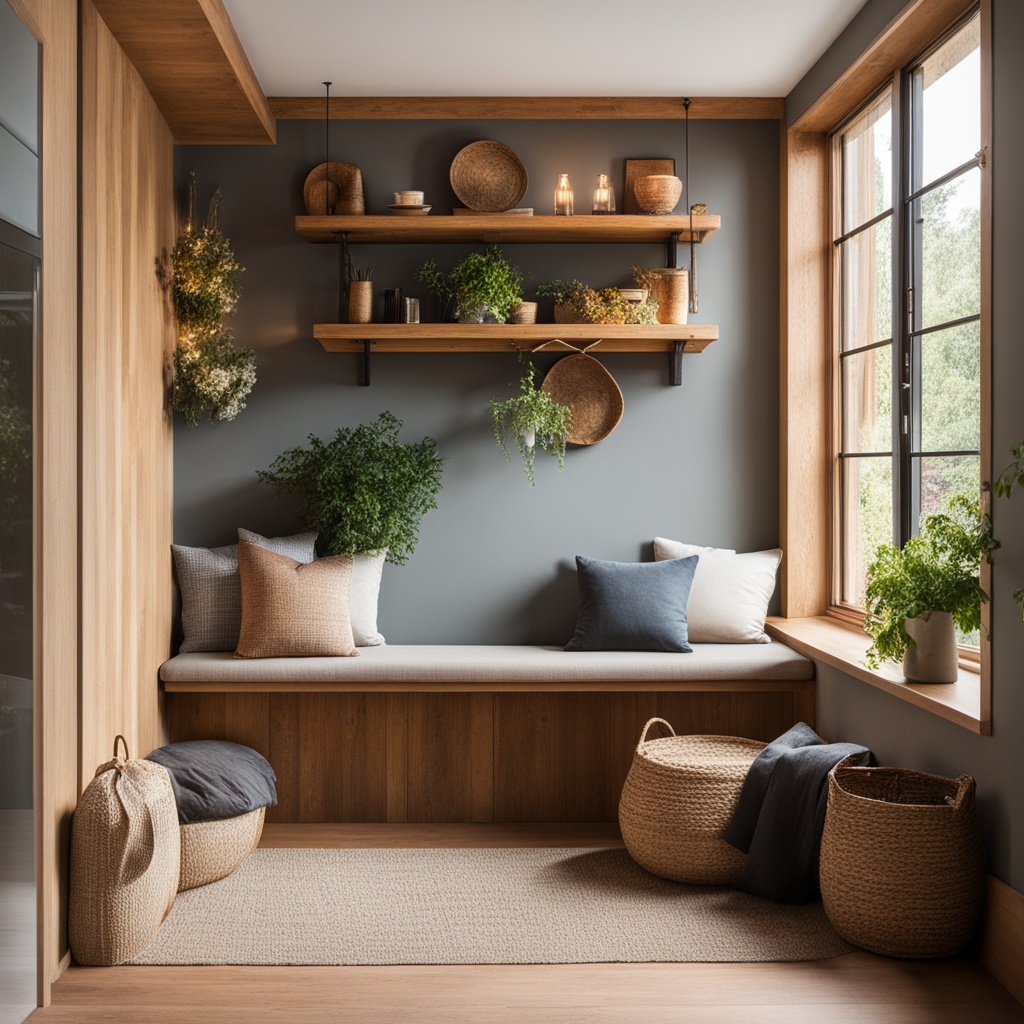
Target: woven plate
<point x="488" y="177"/>
<point x="349" y="180"/>
<point x="583" y="384"/>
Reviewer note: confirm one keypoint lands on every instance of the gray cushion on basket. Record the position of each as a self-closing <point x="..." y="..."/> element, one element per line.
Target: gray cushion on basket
<point x="211" y="591"/>
<point x="216" y="778"/>
<point x="633" y="606"/>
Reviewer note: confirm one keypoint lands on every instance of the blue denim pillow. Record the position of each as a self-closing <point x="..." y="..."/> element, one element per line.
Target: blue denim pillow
<point x="633" y="606"/>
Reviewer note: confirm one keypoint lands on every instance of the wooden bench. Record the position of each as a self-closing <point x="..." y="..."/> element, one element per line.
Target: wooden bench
<point x="464" y="733"/>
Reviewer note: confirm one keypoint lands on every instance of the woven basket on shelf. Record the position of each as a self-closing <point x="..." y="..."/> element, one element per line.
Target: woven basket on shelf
<point x="670" y="288"/>
<point x="657" y="193"/>
<point x="211" y="850"/>
<point x="488" y="177"/>
<point x="344" y="199"/>
<point x="902" y="872"/>
<point x="565" y="314"/>
<point x="680" y="794"/>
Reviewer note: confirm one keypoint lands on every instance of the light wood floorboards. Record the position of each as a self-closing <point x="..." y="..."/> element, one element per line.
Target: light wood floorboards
<point x="854" y="989"/>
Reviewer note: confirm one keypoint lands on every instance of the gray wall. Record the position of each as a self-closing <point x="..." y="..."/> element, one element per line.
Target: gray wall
<point x="495" y="560"/>
<point x="899" y="733"/>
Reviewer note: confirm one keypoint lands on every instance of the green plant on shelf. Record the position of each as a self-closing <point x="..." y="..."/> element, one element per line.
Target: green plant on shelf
<point x="482" y="284"/>
<point x="605" y="306"/>
<point x="936" y="571"/>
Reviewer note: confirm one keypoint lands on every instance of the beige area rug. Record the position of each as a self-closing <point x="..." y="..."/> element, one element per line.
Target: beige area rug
<point x="475" y="906"/>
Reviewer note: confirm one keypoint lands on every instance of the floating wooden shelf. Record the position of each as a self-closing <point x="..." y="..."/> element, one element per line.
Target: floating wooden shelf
<point x="507" y="228"/>
<point x="508" y="337"/>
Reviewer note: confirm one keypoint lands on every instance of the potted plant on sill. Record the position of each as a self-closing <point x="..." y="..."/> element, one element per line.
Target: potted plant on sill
<point x="533" y="419"/>
<point x="917" y="595"/>
<point x="364" y="491"/>
<point x="1011" y="476"/>
<point x="483" y="285"/>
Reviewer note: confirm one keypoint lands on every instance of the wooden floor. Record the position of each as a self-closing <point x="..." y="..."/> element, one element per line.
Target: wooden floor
<point x="855" y="989"/>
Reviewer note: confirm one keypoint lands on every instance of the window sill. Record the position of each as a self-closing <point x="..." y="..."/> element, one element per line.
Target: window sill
<point x="842" y="646"/>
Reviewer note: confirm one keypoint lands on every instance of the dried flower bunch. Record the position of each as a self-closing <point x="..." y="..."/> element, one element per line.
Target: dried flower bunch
<point x="607" y="306"/>
<point x="211" y="374"/>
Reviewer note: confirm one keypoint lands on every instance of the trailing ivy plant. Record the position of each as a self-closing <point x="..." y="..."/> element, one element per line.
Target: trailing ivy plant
<point x="481" y="283"/>
<point x="364" y="490"/>
<point x="533" y="419"/>
<point x="211" y="374"/>
<point x="936" y="571"/>
<point x="1013" y="476"/>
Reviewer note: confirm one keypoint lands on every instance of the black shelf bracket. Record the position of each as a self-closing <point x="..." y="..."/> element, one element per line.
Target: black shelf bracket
<point x="672" y="258"/>
<point x="364" y="364"/>
<point x="675" y="364"/>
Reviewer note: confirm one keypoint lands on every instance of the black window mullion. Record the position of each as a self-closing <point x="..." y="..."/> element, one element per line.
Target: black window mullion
<point x="900" y="289"/>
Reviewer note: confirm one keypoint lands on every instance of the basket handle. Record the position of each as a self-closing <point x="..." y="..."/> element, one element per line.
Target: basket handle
<point x="964" y="787"/>
<point x="120" y="739"/>
<point x="643" y="735"/>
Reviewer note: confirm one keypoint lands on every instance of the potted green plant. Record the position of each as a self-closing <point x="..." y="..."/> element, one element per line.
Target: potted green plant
<point x="1011" y="476"/>
<point x="578" y="303"/>
<point x="482" y="284"/>
<point x="533" y="419"/>
<point x="917" y="595"/>
<point x="364" y="490"/>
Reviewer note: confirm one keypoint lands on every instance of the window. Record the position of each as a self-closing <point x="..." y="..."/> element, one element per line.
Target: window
<point x="906" y="242"/>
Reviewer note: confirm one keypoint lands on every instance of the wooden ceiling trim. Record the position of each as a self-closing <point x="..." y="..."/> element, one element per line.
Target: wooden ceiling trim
<point x="531" y="108"/>
<point x="914" y="28"/>
<point x="192" y="62"/>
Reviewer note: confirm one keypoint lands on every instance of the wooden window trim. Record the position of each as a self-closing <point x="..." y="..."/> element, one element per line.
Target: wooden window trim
<point x="806" y="520"/>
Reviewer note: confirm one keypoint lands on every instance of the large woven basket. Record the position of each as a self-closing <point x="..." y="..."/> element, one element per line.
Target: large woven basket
<point x="680" y="794"/>
<point x="902" y="872"/>
<point x="211" y="850"/>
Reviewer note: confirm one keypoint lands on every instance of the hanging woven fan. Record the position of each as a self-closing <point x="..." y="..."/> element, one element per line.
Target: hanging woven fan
<point x="582" y="383"/>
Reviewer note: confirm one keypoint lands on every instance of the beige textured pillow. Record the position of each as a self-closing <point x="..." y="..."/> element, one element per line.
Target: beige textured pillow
<point x="291" y="609"/>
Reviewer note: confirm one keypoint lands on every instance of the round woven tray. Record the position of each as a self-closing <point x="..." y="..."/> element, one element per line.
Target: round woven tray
<point x="583" y="384"/>
<point x="488" y="177"/>
<point x="349" y="180"/>
<point x="902" y="872"/>
<point x="679" y="796"/>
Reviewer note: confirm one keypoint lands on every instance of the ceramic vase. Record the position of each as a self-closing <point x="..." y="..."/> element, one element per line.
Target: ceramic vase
<point x="934" y="660"/>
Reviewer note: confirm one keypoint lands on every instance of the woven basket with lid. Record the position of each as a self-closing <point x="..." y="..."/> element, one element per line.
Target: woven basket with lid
<point x="902" y="872"/>
<point x="680" y="794"/>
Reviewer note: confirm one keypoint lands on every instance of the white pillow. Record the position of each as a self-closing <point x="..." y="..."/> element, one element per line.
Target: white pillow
<point x="730" y="593"/>
<point x="365" y="589"/>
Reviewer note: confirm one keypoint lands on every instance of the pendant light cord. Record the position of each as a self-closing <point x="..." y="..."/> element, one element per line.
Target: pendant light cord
<point x="686" y="171"/>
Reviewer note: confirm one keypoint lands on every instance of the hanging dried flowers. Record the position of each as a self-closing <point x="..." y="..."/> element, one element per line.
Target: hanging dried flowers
<point x="211" y="374"/>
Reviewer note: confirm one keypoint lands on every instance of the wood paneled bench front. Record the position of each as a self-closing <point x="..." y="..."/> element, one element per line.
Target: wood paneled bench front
<point x="475" y="733"/>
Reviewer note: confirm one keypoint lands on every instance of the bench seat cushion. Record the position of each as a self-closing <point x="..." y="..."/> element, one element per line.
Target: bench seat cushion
<point x="501" y="665"/>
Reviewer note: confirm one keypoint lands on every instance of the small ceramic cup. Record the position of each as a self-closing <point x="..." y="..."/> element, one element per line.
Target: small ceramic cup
<point x="409" y="198"/>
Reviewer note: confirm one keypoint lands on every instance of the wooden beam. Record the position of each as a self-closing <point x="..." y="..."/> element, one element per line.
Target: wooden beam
<point x="194" y="66"/>
<point x="529" y="108"/>
<point x="913" y="29"/>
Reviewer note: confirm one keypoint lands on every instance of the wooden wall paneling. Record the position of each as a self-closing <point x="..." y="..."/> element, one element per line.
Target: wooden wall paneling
<point x="339" y="754"/>
<point x="530" y="108"/>
<point x="54" y="23"/>
<point x="804" y="516"/>
<point x="240" y="718"/>
<point x="284" y="755"/>
<point x="757" y="716"/>
<point x="193" y="64"/>
<point x="398" y="757"/>
<point x="450" y="756"/>
<point x="127" y="336"/>
<point x="1001" y="936"/>
<point x="564" y="757"/>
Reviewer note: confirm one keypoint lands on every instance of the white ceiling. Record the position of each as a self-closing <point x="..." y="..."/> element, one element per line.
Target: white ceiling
<point x="536" y="47"/>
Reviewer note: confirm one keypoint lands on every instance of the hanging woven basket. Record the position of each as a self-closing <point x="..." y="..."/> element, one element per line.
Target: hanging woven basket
<point x="582" y="383"/>
<point x="902" y="872"/>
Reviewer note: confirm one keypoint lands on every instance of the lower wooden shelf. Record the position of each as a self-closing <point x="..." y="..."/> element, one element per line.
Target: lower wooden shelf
<point x="506" y="337"/>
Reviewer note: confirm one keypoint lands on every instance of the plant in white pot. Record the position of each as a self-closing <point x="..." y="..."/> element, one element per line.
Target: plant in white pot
<point x="482" y="284"/>
<point x="918" y="596"/>
<point x="533" y="419"/>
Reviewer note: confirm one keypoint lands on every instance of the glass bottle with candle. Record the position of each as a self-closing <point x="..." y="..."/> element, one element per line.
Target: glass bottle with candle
<point x="604" y="196"/>
<point x="563" y="197"/>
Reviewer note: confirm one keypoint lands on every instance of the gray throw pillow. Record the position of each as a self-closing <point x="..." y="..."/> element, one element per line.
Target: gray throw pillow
<point x="216" y="778"/>
<point x="211" y="591"/>
<point x="633" y="606"/>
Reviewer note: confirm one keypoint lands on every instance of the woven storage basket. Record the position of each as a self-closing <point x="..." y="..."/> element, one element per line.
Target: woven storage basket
<point x="565" y="314"/>
<point x="902" y="872"/>
<point x="583" y="384"/>
<point x="670" y="288"/>
<point x="680" y="794"/>
<point x="347" y="195"/>
<point x="213" y="849"/>
<point x="657" y="193"/>
<point x="125" y="856"/>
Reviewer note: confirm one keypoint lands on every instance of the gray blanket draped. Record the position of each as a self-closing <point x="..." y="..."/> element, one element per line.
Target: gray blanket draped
<point x="781" y="813"/>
